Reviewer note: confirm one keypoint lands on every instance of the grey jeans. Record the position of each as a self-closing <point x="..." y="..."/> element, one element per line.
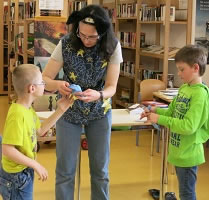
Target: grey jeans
<point x="68" y="135"/>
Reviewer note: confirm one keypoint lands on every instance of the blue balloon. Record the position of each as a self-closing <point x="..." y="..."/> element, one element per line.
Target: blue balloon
<point x="75" y="88"/>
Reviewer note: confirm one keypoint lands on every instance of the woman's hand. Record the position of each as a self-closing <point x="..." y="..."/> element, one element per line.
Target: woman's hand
<point x="63" y="88"/>
<point x="88" y="95"/>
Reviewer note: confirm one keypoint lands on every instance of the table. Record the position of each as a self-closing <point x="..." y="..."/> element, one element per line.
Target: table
<point x="120" y="117"/>
<point x="165" y="140"/>
<point x="162" y="96"/>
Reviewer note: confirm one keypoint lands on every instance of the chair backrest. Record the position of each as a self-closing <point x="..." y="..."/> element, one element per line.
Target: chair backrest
<point x="148" y="86"/>
<point x="47" y="102"/>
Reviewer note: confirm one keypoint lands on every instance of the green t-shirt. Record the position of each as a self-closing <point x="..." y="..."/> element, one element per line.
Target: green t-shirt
<point x="20" y="130"/>
<point x="187" y="117"/>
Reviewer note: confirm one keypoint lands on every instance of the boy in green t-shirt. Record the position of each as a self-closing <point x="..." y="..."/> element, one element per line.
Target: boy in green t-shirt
<point x="19" y="142"/>
<point x="187" y="117"/>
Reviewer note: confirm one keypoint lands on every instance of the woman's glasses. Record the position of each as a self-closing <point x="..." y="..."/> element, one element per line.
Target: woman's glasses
<point x="92" y="38"/>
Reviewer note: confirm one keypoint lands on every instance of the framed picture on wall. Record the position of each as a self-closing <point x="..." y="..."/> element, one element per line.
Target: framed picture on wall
<point x="202" y="24"/>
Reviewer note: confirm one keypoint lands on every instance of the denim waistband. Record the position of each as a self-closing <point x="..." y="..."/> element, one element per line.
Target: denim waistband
<point x="14" y="177"/>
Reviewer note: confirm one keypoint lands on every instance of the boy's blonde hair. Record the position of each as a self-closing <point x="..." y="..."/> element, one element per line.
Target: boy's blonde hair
<point x="24" y="75"/>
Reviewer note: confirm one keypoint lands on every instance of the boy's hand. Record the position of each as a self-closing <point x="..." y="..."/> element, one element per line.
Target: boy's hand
<point x="153" y="109"/>
<point x="41" y="171"/>
<point x="152" y="117"/>
<point x="145" y="114"/>
<point x="65" y="102"/>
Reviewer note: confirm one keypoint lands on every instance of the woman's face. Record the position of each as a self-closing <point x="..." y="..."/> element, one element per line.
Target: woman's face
<point x="88" y="34"/>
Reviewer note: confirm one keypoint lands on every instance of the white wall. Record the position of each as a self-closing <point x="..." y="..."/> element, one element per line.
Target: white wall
<point x="206" y="75"/>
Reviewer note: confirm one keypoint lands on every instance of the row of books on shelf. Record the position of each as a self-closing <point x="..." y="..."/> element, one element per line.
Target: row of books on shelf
<point x="77" y="5"/>
<point x="158" y="13"/>
<point x="147" y="13"/>
<point x="30" y="9"/>
<point x="50" y="12"/>
<point x="112" y="13"/>
<point x="12" y="11"/>
<point x="152" y="13"/>
<point x="19" y="43"/>
<point x="127" y="10"/>
<point x="127" y="68"/>
<point x="127" y="39"/>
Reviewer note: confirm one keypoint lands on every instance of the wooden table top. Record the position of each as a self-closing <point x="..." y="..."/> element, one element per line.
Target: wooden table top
<point x="162" y="96"/>
<point x="120" y="117"/>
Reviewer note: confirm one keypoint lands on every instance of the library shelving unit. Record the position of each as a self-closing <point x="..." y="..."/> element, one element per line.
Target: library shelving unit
<point x="162" y="26"/>
<point x="111" y="10"/>
<point x="140" y="19"/>
<point x="16" y="36"/>
<point x="30" y="9"/>
<point x="5" y="38"/>
<point x="126" y="31"/>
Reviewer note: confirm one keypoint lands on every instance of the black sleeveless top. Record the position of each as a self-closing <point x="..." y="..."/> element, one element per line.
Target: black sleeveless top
<point x="85" y="68"/>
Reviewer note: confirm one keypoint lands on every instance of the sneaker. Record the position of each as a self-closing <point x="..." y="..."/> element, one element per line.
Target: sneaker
<point x="170" y="196"/>
<point x="154" y="193"/>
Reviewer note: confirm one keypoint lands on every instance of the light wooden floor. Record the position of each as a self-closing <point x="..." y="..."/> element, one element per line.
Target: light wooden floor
<point x="132" y="170"/>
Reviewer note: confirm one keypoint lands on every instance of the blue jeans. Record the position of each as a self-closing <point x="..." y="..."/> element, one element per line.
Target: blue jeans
<point x="187" y="178"/>
<point x="68" y="135"/>
<point x="17" y="186"/>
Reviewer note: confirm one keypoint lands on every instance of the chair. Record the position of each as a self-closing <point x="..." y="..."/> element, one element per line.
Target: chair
<point x="147" y="87"/>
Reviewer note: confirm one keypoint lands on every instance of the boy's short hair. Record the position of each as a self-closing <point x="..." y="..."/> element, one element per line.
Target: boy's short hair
<point x="24" y="75"/>
<point x="193" y="54"/>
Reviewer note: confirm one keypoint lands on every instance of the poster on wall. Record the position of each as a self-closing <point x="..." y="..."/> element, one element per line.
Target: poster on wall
<point x="47" y="35"/>
<point x="202" y="24"/>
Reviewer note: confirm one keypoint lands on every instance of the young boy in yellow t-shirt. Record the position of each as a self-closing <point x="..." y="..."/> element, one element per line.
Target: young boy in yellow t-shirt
<point x="19" y="143"/>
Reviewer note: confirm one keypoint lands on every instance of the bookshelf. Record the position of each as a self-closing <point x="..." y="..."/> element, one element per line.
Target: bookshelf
<point x="111" y="10"/>
<point x="17" y="38"/>
<point x="144" y="30"/>
<point x="30" y="10"/>
<point x="5" y="38"/>
<point x="24" y="14"/>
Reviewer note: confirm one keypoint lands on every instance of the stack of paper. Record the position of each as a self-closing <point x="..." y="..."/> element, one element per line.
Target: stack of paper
<point x="155" y="103"/>
<point x="135" y="109"/>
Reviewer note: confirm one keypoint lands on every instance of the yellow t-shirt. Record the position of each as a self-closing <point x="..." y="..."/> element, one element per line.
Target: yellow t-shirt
<point x="20" y="130"/>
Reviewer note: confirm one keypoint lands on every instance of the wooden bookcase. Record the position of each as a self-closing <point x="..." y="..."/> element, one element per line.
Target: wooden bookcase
<point x="25" y="26"/>
<point x="111" y="9"/>
<point x="17" y="37"/>
<point x="5" y="39"/>
<point x="128" y="85"/>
